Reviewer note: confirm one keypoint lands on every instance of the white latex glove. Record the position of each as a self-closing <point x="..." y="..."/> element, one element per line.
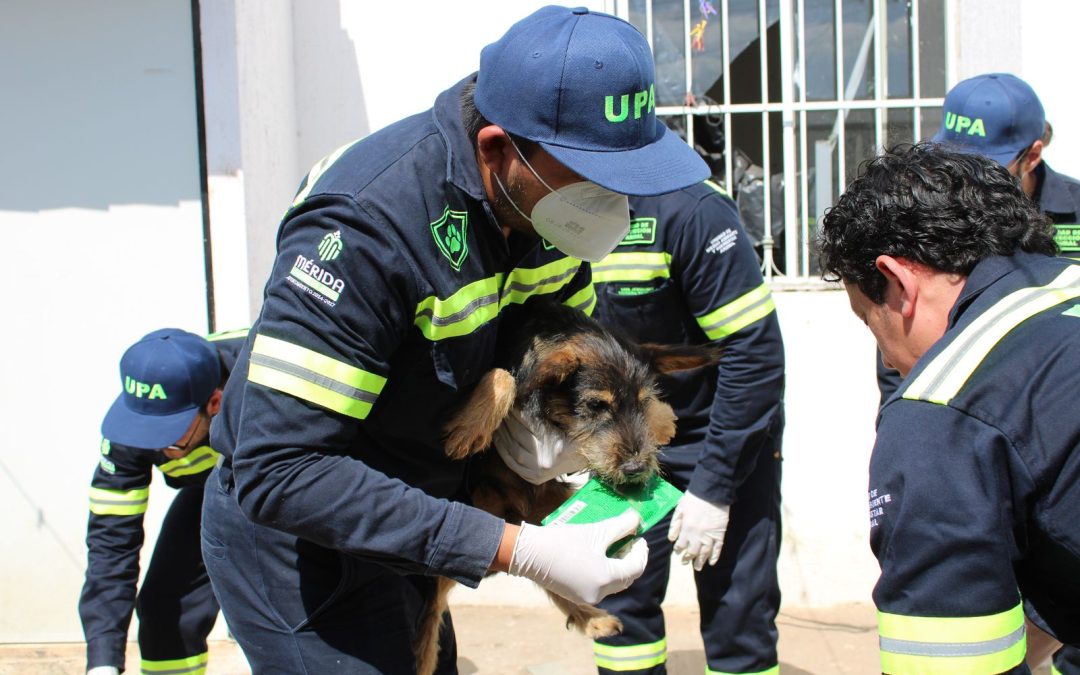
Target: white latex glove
<point x="698" y="529"/>
<point x="103" y="670"/>
<point x="571" y="560"/>
<point x="537" y="459"/>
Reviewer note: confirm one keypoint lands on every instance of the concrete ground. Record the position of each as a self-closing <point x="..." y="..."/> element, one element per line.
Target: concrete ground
<point x="531" y="641"/>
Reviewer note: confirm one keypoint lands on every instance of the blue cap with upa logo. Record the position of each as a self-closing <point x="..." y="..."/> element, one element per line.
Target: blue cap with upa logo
<point x="166" y="377"/>
<point x="581" y="84"/>
<point x="996" y="115"/>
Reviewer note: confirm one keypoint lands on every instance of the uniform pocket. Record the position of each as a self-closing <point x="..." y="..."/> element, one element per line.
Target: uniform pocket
<point x="645" y="313"/>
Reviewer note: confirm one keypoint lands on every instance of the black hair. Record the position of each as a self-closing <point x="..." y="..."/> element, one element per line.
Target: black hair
<point x="473" y="122"/>
<point x="943" y="209"/>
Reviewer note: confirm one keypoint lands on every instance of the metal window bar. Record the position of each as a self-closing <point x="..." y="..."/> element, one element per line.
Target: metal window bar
<point x="797" y="214"/>
<point x="804" y="177"/>
<point x="916" y="69"/>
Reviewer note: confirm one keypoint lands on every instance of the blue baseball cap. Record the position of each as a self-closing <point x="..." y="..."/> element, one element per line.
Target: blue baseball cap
<point x="996" y="115"/>
<point x="166" y="377"/>
<point x="581" y="85"/>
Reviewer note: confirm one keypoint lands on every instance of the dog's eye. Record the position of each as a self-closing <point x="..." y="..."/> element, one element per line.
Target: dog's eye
<point x="597" y="406"/>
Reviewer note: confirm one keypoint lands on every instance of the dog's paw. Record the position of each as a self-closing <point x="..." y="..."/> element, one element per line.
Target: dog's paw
<point x="603" y="626"/>
<point x="462" y="442"/>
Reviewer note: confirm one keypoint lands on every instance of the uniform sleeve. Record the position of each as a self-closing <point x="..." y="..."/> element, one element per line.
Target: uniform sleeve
<point x="715" y="263"/>
<point x="580" y="293"/>
<point x="119" y="492"/>
<point x="941" y="528"/>
<point x="338" y="304"/>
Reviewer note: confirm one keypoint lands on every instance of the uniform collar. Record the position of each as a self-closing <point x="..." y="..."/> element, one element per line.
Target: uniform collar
<point x="1053" y="194"/>
<point x="461" y="169"/>
<point x="986" y="273"/>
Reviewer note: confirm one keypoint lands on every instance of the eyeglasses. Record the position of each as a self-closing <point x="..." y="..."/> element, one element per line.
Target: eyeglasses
<point x="183" y="447"/>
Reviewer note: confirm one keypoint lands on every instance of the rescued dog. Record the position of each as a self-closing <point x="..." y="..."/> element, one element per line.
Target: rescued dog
<point x="565" y="373"/>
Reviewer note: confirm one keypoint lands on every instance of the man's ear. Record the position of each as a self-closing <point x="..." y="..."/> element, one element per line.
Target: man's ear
<point x="1032" y="158"/>
<point x="903" y="289"/>
<point x="494" y="149"/>
<point x="213" y="406"/>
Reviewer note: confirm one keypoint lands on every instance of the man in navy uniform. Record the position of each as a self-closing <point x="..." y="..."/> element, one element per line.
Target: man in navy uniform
<point x="171" y="386"/>
<point x="975" y="474"/>
<point x="687" y="274"/>
<point x="335" y="505"/>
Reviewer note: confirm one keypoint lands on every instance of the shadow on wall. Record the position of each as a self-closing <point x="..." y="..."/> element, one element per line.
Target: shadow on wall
<point x="101" y="108"/>
<point x="330" y="105"/>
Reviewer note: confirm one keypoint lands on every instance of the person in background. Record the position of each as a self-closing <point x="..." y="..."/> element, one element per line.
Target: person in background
<point x="171" y="383"/>
<point x="974" y="491"/>
<point x="335" y="506"/>
<point x="687" y="274"/>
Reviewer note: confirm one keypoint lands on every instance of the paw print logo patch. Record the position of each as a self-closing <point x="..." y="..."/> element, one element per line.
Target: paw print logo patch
<point x="450" y="233"/>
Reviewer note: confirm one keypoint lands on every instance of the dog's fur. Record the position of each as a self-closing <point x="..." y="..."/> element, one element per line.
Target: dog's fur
<point x="565" y="372"/>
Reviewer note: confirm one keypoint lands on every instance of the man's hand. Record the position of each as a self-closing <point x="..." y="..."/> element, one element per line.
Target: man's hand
<point x="103" y="670"/>
<point x="698" y="529"/>
<point x="571" y="560"/>
<point x="537" y="459"/>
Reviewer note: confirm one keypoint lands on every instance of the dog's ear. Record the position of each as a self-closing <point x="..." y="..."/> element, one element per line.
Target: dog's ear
<point x="554" y="367"/>
<point x="675" y="358"/>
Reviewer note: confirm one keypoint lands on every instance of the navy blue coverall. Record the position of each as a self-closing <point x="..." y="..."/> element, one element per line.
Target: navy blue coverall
<point x="176" y="604"/>
<point x="975" y="477"/>
<point x="687" y="274"/>
<point x="335" y="503"/>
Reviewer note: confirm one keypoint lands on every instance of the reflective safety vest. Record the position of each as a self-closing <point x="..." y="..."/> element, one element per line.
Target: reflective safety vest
<point x="974" y="499"/>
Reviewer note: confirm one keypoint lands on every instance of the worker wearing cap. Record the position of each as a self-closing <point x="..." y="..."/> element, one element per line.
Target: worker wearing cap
<point x="335" y="505"/>
<point x="171" y="386"/>
<point x="687" y="274"/>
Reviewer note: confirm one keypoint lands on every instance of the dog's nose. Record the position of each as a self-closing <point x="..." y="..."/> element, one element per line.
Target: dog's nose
<point x="633" y="468"/>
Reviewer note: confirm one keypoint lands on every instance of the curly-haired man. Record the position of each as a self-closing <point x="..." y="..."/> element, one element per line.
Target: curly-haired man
<point x="974" y="493"/>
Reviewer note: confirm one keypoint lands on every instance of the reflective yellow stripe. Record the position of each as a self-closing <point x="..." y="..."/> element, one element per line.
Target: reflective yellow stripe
<point x="524" y="282"/>
<point x="775" y="670"/>
<point x="630" y="657"/>
<point x="191" y="665"/>
<point x="585" y="300"/>
<point x="460" y="314"/>
<point x="1054" y="670"/>
<point x="978" y="644"/>
<point x="106" y="502"/>
<point x="317" y="171"/>
<point x="738" y="313"/>
<point x="641" y="266"/>
<point x="943" y="378"/>
<point x="202" y="458"/>
<point x="228" y="334"/>
<point x="313" y="377"/>
<point x="719" y="188"/>
<point x="479" y="302"/>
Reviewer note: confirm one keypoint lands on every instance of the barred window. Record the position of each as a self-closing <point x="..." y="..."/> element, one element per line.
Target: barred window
<point x="794" y="94"/>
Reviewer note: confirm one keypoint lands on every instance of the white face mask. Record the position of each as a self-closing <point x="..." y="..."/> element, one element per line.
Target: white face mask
<point x="582" y="219"/>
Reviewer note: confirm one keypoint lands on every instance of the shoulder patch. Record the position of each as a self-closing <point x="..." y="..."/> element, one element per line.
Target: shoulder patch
<point x="642" y="232"/>
<point x="450" y="233"/>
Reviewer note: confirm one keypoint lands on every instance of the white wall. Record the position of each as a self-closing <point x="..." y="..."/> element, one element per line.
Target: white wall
<point x="1027" y="39"/>
<point x="101" y="225"/>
